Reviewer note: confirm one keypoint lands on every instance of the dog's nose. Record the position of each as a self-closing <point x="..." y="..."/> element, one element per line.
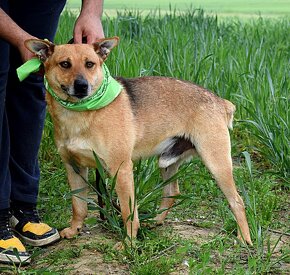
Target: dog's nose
<point x="81" y="87"/>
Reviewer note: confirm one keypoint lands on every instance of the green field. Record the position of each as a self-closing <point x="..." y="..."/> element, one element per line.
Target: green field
<point x="223" y="7"/>
<point x="246" y="62"/>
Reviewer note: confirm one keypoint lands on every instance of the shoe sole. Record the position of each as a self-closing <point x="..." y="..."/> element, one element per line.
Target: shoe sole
<point x="13" y="259"/>
<point x="49" y="240"/>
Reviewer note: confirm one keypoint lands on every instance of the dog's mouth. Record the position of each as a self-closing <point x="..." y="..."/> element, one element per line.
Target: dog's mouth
<point x="64" y="88"/>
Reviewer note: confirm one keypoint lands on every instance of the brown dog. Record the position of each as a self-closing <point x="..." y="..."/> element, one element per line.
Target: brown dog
<point x="162" y="116"/>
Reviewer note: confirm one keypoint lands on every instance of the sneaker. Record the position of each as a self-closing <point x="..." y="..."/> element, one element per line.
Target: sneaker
<point x="11" y="249"/>
<point x="26" y="225"/>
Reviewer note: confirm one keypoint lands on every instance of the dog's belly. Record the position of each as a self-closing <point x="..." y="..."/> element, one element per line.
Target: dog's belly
<point x="170" y="151"/>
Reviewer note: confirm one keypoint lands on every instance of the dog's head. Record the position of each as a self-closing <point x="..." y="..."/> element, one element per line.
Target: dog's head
<point x="73" y="71"/>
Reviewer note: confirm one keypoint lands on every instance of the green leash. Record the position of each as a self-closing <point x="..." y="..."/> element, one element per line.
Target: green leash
<point x="103" y="96"/>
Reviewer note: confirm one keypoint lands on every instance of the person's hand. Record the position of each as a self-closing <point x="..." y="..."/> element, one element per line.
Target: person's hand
<point x="24" y="52"/>
<point x="89" y="27"/>
<point x="89" y="22"/>
<point x="14" y="35"/>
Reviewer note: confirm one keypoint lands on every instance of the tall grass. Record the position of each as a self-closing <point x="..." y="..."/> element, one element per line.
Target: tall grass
<point x="247" y="63"/>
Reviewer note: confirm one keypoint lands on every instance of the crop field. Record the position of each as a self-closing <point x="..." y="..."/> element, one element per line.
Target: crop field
<point x="246" y="62"/>
<point x="222" y="7"/>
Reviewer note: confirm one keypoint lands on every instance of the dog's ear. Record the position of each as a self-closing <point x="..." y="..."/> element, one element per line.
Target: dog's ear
<point x="103" y="46"/>
<point x="41" y="48"/>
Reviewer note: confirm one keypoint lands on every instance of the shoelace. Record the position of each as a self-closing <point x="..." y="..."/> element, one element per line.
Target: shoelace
<point x="5" y="229"/>
<point x="26" y="215"/>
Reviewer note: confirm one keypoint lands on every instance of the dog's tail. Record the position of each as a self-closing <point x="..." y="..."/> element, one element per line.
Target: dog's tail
<point x="230" y="110"/>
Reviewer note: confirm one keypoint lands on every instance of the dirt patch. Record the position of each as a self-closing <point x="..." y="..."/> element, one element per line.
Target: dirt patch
<point x="93" y="251"/>
<point x="189" y="231"/>
<point x="92" y="263"/>
<point x="278" y="243"/>
<point x="88" y="254"/>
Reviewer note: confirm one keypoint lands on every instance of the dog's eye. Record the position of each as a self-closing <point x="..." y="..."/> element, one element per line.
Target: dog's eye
<point x="65" y="64"/>
<point x="89" y="64"/>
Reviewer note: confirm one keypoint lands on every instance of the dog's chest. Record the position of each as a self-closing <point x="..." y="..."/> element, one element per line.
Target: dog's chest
<point x="74" y="143"/>
<point x="77" y="150"/>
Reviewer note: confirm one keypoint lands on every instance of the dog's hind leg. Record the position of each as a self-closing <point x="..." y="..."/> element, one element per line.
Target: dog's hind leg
<point x="78" y="183"/>
<point x="178" y="150"/>
<point x="214" y="149"/>
<point x="169" y="191"/>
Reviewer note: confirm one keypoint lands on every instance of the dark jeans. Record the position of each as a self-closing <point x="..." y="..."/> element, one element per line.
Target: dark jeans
<point x="22" y="105"/>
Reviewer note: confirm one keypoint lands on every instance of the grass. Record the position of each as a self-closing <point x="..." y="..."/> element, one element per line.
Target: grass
<point x="247" y="63"/>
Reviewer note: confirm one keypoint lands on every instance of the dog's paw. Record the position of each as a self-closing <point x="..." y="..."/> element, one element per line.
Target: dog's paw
<point x="161" y="222"/>
<point x="153" y="223"/>
<point x="159" y="219"/>
<point x="119" y="246"/>
<point x="244" y="241"/>
<point x="126" y="244"/>
<point x="69" y="233"/>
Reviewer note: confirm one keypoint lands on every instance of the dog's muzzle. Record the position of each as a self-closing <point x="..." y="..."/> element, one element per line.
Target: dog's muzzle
<point x="81" y="88"/>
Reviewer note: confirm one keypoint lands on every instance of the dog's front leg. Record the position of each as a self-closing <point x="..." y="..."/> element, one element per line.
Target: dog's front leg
<point x="77" y="181"/>
<point x="125" y="192"/>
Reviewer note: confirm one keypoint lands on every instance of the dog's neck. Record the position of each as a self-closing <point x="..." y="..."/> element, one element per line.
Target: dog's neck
<point x="103" y="96"/>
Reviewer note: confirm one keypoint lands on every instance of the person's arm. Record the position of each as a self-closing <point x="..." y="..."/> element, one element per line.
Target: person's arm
<point x="89" y="22"/>
<point x="13" y="34"/>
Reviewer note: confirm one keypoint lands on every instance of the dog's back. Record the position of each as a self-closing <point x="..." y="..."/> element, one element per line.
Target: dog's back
<point x="180" y="107"/>
<point x="172" y="94"/>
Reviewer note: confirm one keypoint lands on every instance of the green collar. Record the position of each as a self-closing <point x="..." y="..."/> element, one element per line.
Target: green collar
<point x="103" y="96"/>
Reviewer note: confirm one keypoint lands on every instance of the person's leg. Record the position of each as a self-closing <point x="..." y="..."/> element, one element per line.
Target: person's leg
<point x="7" y="239"/>
<point x="5" y="186"/>
<point x="25" y="103"/>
